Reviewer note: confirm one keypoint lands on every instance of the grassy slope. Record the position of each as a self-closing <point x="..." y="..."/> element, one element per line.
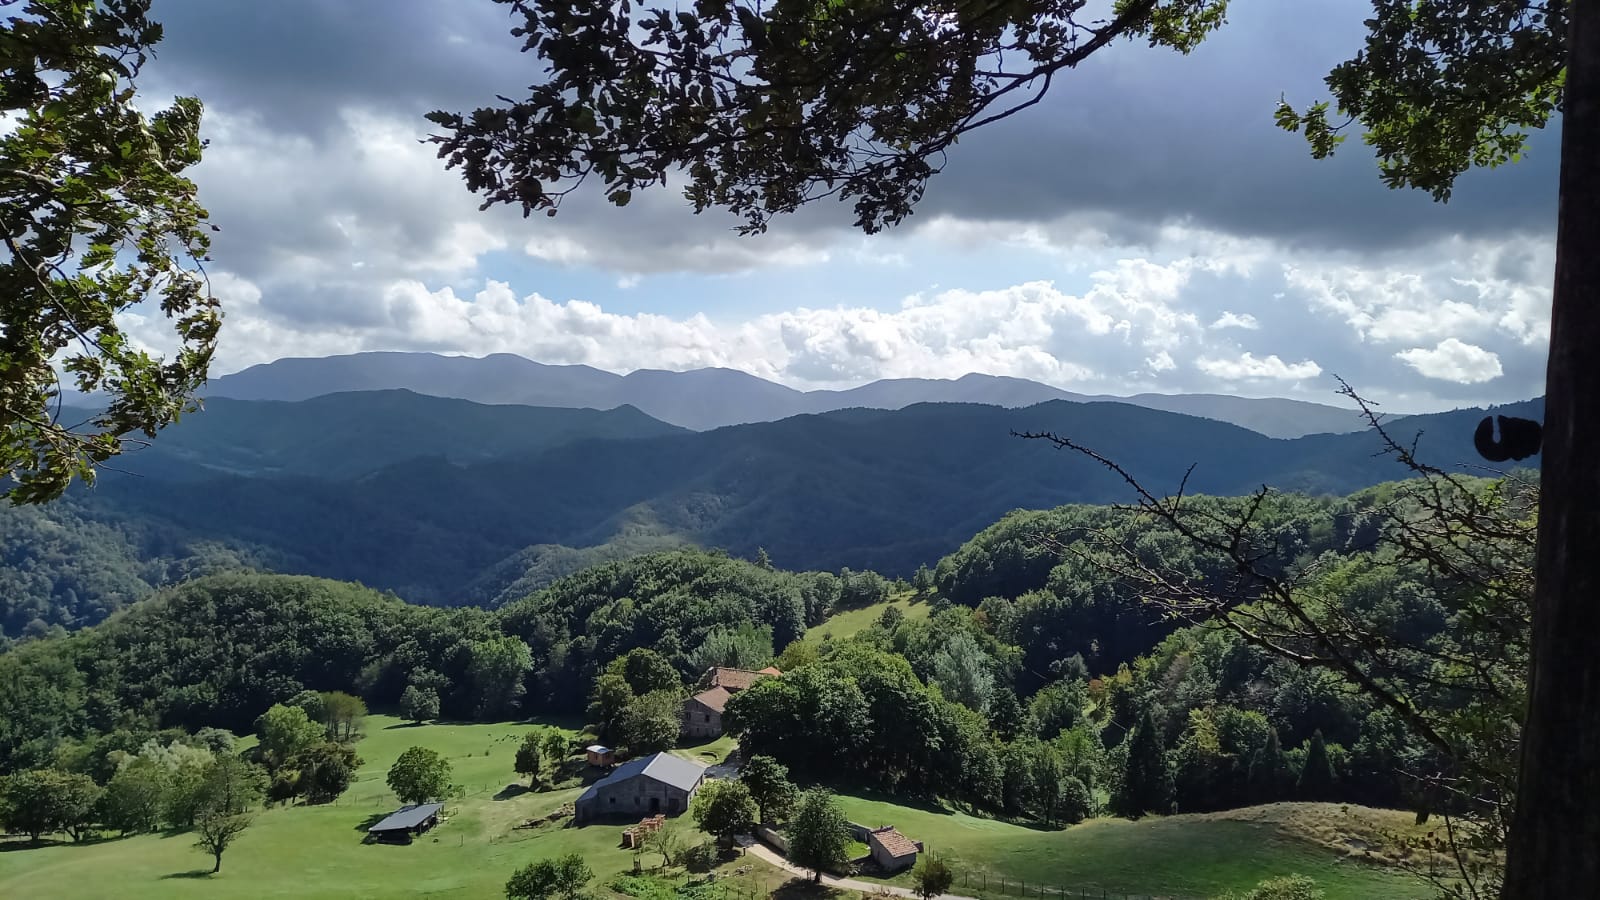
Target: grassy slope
<point x="847" y="624"/>
<point x="315" y="852"/>
<point x="1179" y="856"/>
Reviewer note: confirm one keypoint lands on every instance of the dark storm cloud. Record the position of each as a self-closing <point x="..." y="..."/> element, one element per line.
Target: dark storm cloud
<point x="1150" y="135"/>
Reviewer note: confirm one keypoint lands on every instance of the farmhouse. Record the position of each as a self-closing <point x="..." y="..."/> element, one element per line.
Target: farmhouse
<point x="702" y="713"/>
<point x="659" y="783"/>
<point x="407" y="821"/>
<point x="891" y="850"/>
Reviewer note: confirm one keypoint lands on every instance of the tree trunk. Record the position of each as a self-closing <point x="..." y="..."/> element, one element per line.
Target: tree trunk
<point x="218" y="867"/>
<point x="1556" y="826"/>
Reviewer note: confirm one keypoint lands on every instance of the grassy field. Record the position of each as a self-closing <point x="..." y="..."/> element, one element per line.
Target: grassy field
<point x="848" y="623"/>
<point x="315" y="852"/>
<point x="1180" y="856"/>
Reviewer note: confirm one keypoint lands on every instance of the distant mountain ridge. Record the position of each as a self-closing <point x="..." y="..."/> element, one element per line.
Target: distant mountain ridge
<point x="703" y="399"/>
<point x="863" y="488"/>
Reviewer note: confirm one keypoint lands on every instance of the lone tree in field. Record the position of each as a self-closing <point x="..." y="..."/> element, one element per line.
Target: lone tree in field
<point x="419" y="704"/>
<point x="216" y="832"/>
<point x="96" y="217"/>
<point x="530" y="757"/>
<point x="759" y="108"/>
<point x="419" y="775"/>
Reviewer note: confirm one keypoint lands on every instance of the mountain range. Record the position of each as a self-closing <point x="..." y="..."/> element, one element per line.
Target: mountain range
<point x="423" y="495"/>
<point x="703" y="399"/>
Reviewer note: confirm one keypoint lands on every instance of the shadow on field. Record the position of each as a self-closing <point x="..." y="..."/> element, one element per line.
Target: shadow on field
<point x="193" y="873"/>
<point x="8" y="845"/>
<point x="805" y="889"/>
<point x="371" y="820"/>
<point x="513" y="790"/>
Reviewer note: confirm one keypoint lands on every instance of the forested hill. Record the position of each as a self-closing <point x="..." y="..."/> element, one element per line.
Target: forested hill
<point x="348" y="435"/>
<point x="867" y="489"/>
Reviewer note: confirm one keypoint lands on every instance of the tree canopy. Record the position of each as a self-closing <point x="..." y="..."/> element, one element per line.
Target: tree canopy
<point x="97" y="218"/>
<point x="760" y="108"/>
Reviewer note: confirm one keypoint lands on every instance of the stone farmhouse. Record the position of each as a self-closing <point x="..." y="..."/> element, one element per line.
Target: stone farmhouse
<point x="702" y="713"/>
<point x="657" y="784"/>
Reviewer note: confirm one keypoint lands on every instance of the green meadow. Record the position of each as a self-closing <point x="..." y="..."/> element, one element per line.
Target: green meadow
<point x="317" y="851"/>
<point x="1190" y="856"/>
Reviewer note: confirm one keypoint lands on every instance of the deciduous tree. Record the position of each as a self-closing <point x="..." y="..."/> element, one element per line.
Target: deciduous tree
<point x="564" y="878"/>
<point x="133" y="799"/>
<point x="97" y="217"/>
<point x="819" y="834"/>
<point x="419" y="775"/>
<point x="768" y="781"/>
<point x="418" y="704"/>
<point x="651" y="723"/>
<point x="217" y="830"/>
<point x="725" y="809"/>
<point x="530" y="757"/>
<point x="931" y="877"/>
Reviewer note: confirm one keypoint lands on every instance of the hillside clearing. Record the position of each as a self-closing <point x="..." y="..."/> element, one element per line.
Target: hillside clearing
<point x="1188" y="856"/>
<point x="851" y="622"/>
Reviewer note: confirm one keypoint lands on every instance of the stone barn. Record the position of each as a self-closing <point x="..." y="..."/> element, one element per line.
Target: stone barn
<point x="660" y="783"/>
<point x="702" y="713"/>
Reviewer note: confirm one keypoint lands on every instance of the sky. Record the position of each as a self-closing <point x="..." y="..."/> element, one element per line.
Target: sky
<point x="1145" y="228"/>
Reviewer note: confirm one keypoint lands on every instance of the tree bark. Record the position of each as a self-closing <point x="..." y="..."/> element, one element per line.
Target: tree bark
<point x="218" y="867"/>
<point x="1554" y="846"/>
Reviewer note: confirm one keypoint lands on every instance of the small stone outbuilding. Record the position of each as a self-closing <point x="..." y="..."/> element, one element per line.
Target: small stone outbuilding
<point x="891" y="850"/>
<point x="659" y="783"/>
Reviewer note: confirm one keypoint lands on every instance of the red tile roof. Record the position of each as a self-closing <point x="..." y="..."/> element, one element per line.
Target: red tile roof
<point x="894" y="842"/>
<point x="770" y="670"/>
<point x="733" y="679"/>
<point x="716" y="698"/>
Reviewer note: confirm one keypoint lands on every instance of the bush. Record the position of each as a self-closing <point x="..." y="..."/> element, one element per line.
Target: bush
<point x="701" y="857"/>
<point x="1287" y="887"/>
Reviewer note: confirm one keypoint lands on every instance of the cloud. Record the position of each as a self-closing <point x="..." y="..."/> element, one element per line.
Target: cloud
<point x="1072" y="246"/>
<point x="1247" y="366"/>
<point x="1452" y="360"/>
<point x="1236" y="320"/>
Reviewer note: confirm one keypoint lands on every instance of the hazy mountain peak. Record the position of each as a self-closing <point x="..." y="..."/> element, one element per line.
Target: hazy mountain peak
<point x="708" y="398"/>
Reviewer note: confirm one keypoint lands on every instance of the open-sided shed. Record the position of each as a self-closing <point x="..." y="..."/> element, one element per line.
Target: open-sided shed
<point x="407" y="821"/>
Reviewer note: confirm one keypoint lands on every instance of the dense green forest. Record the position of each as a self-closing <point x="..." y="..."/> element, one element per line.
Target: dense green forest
<point x="485" y="504"/>
<point x="1041" y="686"/>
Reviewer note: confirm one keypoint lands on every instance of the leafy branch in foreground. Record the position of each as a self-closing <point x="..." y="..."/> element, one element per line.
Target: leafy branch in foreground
<point x="1467" y="546"/>
<point x="764" y="107"/>
<point x="96" y="220"/>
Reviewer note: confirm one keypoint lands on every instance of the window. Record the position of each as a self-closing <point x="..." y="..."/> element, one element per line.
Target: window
<point x="613" y="801"/>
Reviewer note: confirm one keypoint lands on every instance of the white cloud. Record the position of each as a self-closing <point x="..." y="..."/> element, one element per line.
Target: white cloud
<point x="1247" y="366"/>
<point x="1236" y="320"/>
<point x="1125" y="324"/>
<point x="1453" y="360"/>
<point x="1455" y="288"/>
